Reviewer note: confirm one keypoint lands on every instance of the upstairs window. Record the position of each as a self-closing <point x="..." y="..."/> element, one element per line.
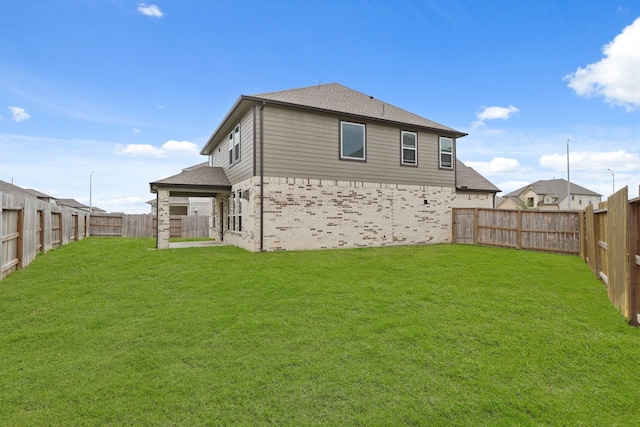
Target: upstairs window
<point x="234" y="145"/>
<point x="352" y="141"/>
<point x="446" y="153"/>
<point x="409" y="148"/>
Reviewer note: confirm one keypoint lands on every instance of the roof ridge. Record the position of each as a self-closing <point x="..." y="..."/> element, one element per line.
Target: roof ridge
<point x="298" y="89"/>
<point x="337" y="98"/>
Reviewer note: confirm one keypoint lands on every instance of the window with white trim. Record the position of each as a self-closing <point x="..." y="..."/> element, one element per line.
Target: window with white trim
<point x="446" y="152"/>
<point x="409" y="141"/>
<point x="234" y="145"/>
<point x="234" y="211"/>
<point x="352" y="141"/>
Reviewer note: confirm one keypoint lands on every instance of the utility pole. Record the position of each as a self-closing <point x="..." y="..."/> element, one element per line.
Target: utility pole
<point x="90" y="192"/>
<point x="568" y="178"/>
<point x="90" y="203"/>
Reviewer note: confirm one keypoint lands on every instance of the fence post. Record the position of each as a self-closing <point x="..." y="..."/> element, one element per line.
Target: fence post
<point x="1" y="231"/>
<point x="634" y="261"/>
<point x="453" y="229"/>
<point x="519" y="237"/>
<point x="19" y="242"/>
<point x="475" y="226"/>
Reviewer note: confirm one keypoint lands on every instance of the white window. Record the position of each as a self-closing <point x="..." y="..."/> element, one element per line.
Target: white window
<point x="352" y="141"/>
<point x="446" y="152"/>
<point x="234" y="145"/>
<point x="409" y="148"/>
<point x="234" y="211"/>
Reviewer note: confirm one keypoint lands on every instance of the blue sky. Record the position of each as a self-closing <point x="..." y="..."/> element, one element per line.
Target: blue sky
<point x="128" y="92"/>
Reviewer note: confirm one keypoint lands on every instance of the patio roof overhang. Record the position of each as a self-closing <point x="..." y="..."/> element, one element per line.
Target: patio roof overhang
<point x="197" y="181"/>
<point x="191" y="190"/>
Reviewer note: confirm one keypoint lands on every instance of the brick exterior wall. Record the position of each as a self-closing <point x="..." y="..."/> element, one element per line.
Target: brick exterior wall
<point x="473" y="200"/>
<point x="164" y="230"/>
<point x="301" y="214"/>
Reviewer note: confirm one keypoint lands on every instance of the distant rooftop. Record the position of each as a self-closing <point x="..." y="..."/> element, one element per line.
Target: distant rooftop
<point x="556" y="188"/>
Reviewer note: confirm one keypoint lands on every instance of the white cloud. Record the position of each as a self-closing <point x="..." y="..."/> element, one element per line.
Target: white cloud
<point x="185" y="147"/>
<point x="493" y="113"/>
<point x="19" y="114"/>
<point x="592" y="161"/>
<point x="167" y="149"/>
<point x="615" y="76"/>
<point x="137" y="131"/>
<point x="150" y="10"/>
<point x="497" y="166"/>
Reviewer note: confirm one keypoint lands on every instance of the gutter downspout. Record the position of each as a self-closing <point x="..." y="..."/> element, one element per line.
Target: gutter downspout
<point x="262" y="176"/>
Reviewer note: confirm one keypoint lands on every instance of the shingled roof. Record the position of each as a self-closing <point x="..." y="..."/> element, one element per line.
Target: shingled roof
<point x="332" y="98"/>
<point x="336" y="98"/>
<point x="468" y="179"/>
<point x="556" y="188"/>
<point x="199" y="177"/>
<point x="15" y="190"/>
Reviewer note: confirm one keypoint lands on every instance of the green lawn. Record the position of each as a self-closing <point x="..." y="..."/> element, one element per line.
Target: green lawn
<point x="109" y="332"/>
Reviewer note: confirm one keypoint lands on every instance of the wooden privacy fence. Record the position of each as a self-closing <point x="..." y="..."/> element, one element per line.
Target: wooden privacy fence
<point x="547" y="231"/>
<point x="29" y="227"/>
<point x="611" y="247"/>
<point x="144" y="225"/>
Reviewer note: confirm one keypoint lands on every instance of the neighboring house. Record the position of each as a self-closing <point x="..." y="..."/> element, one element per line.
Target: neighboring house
<point x="324" y="167"/>
<point x="185" y="205"/>
<point x="73" y="203"/>
<point x="41" y="196"/>
<point x="35" y="194"/>
<point x="550" y="195"/>
<point x="14" y="190"/>
<point x="472" y="189"/>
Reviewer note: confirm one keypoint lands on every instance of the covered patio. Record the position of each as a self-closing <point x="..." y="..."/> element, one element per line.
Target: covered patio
<point x="196" y="181"/>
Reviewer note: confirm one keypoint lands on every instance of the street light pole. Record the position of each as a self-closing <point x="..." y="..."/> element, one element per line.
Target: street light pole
<point x="613" y="177"/>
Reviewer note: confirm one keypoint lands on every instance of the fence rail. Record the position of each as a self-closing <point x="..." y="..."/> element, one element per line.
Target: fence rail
<point x="145" y="225"/>
<point x="607" y="239"/>
<point x="547" y="231"/>
<point x="611" y="248"/>
<point x="29" y="227"/>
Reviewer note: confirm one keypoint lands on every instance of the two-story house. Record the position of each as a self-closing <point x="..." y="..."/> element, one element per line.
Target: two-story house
<point x="322" y="167"/>
<point x="550" y="194"/>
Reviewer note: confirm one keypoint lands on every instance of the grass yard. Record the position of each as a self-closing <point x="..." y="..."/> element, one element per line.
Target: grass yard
<point x="108" y="332"/>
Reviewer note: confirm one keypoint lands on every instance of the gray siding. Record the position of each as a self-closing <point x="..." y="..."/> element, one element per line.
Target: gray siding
<point x="302" y="144"/>
<point x="220" y="155"/>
